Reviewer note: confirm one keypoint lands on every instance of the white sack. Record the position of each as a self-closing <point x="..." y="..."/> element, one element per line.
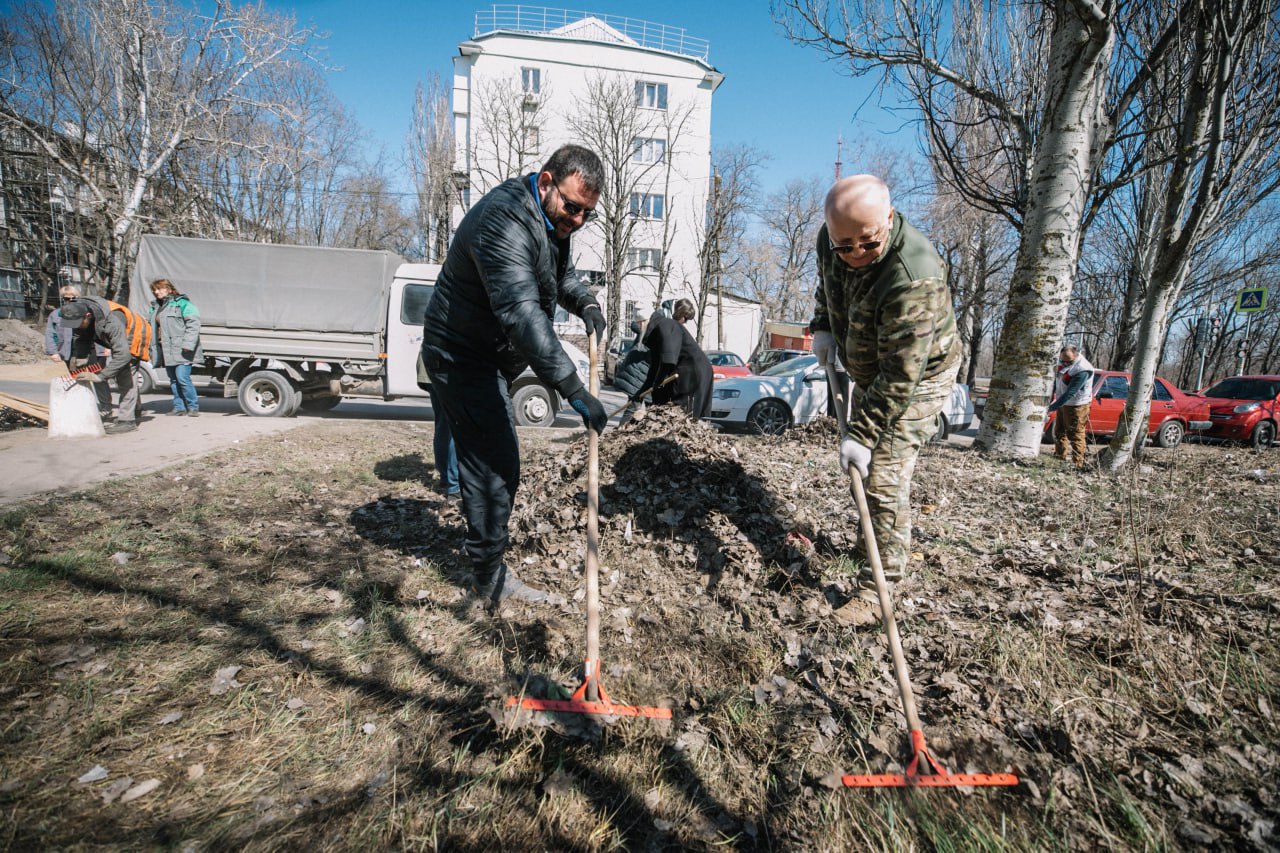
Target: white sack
<point x="73" y="412"/>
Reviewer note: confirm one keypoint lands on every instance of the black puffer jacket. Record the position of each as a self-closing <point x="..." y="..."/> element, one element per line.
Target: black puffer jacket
<point x="631" y="372"/>
<point x="498" y="290"/>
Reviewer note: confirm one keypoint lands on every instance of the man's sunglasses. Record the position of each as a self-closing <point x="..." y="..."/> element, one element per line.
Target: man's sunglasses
<point x="844" y="250"/>
<point x="573" y="208"/>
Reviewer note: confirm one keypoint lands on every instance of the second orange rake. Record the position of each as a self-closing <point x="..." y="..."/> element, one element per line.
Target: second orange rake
<point x="590" y="697"/>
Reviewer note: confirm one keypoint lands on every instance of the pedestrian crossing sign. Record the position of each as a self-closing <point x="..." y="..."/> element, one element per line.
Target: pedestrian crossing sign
<point x="1251" y="300"/>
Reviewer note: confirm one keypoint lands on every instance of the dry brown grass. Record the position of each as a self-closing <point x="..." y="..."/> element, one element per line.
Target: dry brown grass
<point x="1110" y="641"/>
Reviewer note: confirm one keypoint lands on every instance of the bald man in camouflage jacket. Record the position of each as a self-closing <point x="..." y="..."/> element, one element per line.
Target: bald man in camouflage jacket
<point x="884" y="310"/>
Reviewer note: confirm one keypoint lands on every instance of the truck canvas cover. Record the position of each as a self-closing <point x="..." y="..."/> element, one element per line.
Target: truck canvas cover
<point x="269" y="286"/>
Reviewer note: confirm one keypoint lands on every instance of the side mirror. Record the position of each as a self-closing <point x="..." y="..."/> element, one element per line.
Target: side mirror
<point x="1106" y="395"/>
<point x="817" y="376"/>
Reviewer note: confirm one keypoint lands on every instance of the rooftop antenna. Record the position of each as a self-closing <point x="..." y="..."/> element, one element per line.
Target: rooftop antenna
<point x="839" y="150"/>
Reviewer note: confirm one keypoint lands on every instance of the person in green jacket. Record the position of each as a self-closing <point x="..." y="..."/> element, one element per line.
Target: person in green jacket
<point x="883" y="308"/>
<point x="175" y="343"/>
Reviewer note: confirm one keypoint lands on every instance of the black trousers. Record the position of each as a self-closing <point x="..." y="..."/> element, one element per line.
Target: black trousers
<point x="484" y="433"/>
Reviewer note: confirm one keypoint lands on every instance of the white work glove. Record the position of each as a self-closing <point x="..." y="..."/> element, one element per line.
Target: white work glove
<point x="854" y="455"/>
<point x="824" y="347"/>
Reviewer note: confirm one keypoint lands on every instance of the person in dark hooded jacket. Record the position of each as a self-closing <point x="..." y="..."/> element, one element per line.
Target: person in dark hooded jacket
<point x="507" y="269"/>
<point x="631" y="373"/>
<point x="673" y="350"/>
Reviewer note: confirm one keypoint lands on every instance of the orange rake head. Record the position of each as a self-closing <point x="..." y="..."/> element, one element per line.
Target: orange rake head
<point x="70" y="379"/>
<point x="934" y="775"/>
<point x="579" y="704"/>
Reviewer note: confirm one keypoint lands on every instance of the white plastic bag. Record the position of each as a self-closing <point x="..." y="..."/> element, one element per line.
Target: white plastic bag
<point x="73" y="412"/>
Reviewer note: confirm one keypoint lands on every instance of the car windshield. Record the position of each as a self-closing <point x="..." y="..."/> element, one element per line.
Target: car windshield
<point x="791" y="366"/>
<point x="723" y="359"/>
<point x="1238" y="388"/>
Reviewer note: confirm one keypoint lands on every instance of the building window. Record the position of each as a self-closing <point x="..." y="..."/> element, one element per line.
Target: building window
<point x="651" y="96"/>
<point x="632" y="312"/>
<point x="531" y="81"/>
<point x="593" y="279"/>
<point x="646" y="149"/>
<point x="646" y="205"/>
<point x="642" y="259"/>
<point x="531" y="139"/>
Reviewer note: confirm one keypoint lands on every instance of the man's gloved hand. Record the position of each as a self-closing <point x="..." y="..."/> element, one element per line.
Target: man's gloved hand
<point x="824" y="347"/>
<point x="593" y="319"/>
<point x="189" y="354"/>
<point x="88" y="377"/>
<point x="593" y="414"/>
<point x="855" y="455"/>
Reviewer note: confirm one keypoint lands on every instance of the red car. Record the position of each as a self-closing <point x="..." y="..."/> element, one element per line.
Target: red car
<point x="725" y="363"/>
<point x="1244" y="408"/>
<point x="1173" y="413"/>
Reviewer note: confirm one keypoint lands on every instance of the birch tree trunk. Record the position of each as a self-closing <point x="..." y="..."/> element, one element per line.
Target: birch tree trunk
<point x="1061" y="174"/>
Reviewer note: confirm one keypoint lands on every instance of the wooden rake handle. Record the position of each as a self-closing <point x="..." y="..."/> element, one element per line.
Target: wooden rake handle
<point x="877" y="568"/>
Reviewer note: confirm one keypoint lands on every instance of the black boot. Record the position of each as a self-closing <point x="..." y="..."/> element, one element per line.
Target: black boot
<point x="504" y="584"/>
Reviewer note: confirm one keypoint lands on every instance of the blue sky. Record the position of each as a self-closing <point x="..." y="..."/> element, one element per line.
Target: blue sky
<point x="784" y="99"/>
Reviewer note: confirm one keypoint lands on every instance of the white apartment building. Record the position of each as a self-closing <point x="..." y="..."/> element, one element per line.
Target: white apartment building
<point x="527" y="82"/>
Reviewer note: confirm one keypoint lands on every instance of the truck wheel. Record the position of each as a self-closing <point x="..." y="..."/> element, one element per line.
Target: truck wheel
<point x="321" y="404"/>
<point x="1263" y="435"/>
<point x="534" y="406"/>
<point x="267" y="394"/>
<point x="1170" y="434"/>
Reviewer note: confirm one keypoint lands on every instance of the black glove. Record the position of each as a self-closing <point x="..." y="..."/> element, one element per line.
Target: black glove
<point x="593" y="414"/>
<point x="189" y="354"/>
<point x="593" y="319"/>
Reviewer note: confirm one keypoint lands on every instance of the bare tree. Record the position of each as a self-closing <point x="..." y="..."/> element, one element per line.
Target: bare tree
<point x="507" y="123"/>
<point x="132" y="83"/>
<point x="1214" y="153"/>
<point x="795" y="216"/>
<point x="431" y="164"/>
<point x="732" y="199"/>
<point x="635" y="150"/>
<point x="1038" y="76"/>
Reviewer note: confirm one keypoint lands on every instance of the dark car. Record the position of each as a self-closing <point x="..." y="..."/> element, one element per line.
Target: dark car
<point x="613" y="357"/>
<point x="1244" y="408"/>
<point x="1173" y="413"/>
<point x="767" y="358"/>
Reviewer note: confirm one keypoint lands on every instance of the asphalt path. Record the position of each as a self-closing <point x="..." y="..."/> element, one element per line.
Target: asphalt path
<point x="32" y="464"/>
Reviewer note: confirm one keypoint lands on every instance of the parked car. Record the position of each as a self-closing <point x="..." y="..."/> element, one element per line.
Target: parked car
<point x="1173" y="413"/>
<point x="1244" y="408"/>
<point x="725" y="363"/>
<point x="767" y="358"/>
<point x="613" y="357"/>
<point x="795" y="392"/>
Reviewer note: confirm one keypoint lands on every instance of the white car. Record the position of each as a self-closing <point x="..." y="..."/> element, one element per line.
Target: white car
<point x="795" y="392"/>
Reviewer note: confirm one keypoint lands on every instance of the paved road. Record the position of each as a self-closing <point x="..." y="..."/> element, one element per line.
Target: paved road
<point x="32" y="464"/>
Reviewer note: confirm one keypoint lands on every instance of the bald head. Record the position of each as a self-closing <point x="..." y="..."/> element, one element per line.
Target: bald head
<point x="862" y="198"/>
<point x="859" y="219"/>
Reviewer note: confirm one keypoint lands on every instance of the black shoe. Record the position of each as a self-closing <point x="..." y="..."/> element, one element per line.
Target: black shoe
<point x="121" y="426"/>
<point x="507" y="585"/>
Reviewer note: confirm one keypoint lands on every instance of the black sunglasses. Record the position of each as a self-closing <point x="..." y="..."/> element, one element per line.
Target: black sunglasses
<point x="844" y="250"/>
<point x="573" y="208"/>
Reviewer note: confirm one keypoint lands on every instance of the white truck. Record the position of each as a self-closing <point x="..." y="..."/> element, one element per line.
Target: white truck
<point x="289" y="327"/>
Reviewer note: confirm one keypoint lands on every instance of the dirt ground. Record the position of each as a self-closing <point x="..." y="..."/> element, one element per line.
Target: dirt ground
<point x="271" y="647"/>
<point x="20" y="342"/>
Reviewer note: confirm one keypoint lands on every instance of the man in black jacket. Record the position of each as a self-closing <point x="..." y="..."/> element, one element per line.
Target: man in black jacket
<point x="507" y="268"/>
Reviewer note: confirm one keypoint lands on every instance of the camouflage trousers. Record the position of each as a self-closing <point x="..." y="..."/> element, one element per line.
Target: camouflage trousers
<point x="893" y="462"/>
<point x="1069" y="430"/>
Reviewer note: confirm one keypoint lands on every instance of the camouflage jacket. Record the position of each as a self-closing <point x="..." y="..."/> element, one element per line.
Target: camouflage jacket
<point x="892" y="321"/>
